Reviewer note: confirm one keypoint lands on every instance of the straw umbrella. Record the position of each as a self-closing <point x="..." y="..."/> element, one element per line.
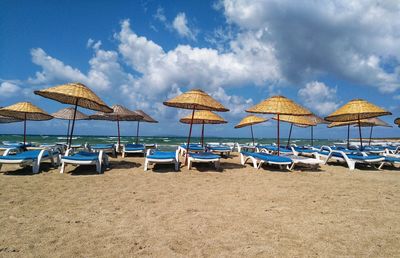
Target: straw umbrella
<point x="76" y="94"/>
<point x="250" y="121"/>
<point x="6" y="120"/>
<point x="195" y="100"/>
<point x="68" y="114"/>
<point x="373" y="122"/>
<point x="279" y="105"/>
<point x="356" y="110"/>
<point x="146" y="118"/>
<point x="301" y="121"/>
<point x="25" y="111"/>
<point x="203" y="117"/>
<point x="397" y="121"/>
<point x="120" y="113"/>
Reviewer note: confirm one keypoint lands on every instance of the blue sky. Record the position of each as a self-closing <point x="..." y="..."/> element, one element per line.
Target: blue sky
<point x="140" y="53"/>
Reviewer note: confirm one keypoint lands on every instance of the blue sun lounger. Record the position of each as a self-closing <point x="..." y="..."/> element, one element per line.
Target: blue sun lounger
<point x="161" y="157"/>
<point x="273" y="149"/>
<point x="31" y="157"/>
<point x="193" y="147"/>
<point x="133" y="148"/>
<point x="221" y="149"/>
<point x="259" y="158"/>
<point x="84" y="158"/>
<point x="350" y="157"/>
<point x="204" y="157"/>
<point x="106" y="148"/>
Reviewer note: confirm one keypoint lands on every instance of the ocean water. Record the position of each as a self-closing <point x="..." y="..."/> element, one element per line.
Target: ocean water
<point x="164" y="143"/>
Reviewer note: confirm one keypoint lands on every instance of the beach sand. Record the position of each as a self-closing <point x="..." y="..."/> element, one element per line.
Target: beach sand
<point x="239" y="211"/>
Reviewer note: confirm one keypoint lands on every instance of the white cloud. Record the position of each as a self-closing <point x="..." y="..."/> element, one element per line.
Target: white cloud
<point x="319" y="97"/>
<point x="349" y="39"/>
<point x="9" y="89"/>
<point x="180" y="24"/>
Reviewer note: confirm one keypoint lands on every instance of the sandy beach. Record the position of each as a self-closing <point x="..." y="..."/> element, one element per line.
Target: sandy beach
<point x="238" y="211"/>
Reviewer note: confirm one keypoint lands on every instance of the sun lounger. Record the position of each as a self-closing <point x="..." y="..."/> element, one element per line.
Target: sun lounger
<point x="31" y="157"/>
<point x="303" y="151"/>
<point x="351" y="158"/>
<point x="258" y="158"/>
<point x="161" y="157"/>
<point x="84" y="158"/>
<point x="192" y="148"/>
<point x="133" y="148"/>
<point x="106" y="148"/>
<point x="204" y="157"/>
<point x="273" y="149"/>
<point x="221" y="149"/>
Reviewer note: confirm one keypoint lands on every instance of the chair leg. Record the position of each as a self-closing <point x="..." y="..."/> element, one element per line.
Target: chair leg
<point x="62" y="168"/>
<point x="35" y="167"/>
<point x="146" y="163"/>
<point x="189" y="164"/>
<point x="217" y="164"/>
<point x="351" y="165"/>
<point x="176" y="165"/>
<point x="98" y="167"/>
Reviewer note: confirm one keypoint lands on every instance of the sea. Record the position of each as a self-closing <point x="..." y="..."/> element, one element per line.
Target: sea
<point x="167" y="143"/>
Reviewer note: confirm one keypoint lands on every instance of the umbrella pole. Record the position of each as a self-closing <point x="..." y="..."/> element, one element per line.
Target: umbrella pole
<point x="278" y="137"/>
<point x="202" y="135"/>
<point x="190" y="133"/>
<point x="359" y="130"/>
<point x="252" y="135"/>
<point x="137" y="132"/>
<point x="25" y="130"/>
<point x="73" y="125"/>
<point x="69" y="123"/>
<point x="119" y="135"/>
<point x="370" y="136"/>
<point x="348" y="136"/>
<point x="290" y="135"/>
<point x="312" y="135"/>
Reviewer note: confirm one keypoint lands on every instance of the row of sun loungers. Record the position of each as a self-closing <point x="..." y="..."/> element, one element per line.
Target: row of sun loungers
<point x="290" y="157"/>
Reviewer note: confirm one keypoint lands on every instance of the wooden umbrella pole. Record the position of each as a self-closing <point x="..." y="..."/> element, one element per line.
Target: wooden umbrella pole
<point x="252" y="135"/>
<point x="137" y="132"/>
<point x="119" y="135"/>
<point x="290" y="135"/>
<point x="348" y="136"/>
<point x="24" y="130"/>
<point x="359" y="130"/>
<point x="73" y="124"/>
<point x="190" y="133"/>
<point x="370" y="135"/>
<point x="202" y="135"/>
<point x="312" y="135"/>
<point x="278" y="137"/>
<point x="69" y="123"/>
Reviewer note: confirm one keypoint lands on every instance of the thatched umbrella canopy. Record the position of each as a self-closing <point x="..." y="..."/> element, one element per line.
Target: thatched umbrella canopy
<point x="68" y="114"/>
<point x="203" y="117"/>
<point x="195" y="100"/>
<point x="76" y="94"/>
<point x="25" y="111"/>
<point x="279" y="105"/>
<point x="146" y="118"/>
<point x="356" y="110"/>
<point x="250" y="121"/>
<point x="397" y="121"/>
<point x="120" y="113"/>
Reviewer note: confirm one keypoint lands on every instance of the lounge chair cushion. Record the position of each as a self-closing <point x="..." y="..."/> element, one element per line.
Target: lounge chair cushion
<point x="219" y="148"/>
<point x="193" y="147"/>
<point x="134" y="147"/>
<point x="360" y="157"/>
<point x="102" y="146"/>
<point x="83" y="156"/>
<point x="26" y="155"/>
<point x="204" y="155"/>
<point x="162" y="155"/>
